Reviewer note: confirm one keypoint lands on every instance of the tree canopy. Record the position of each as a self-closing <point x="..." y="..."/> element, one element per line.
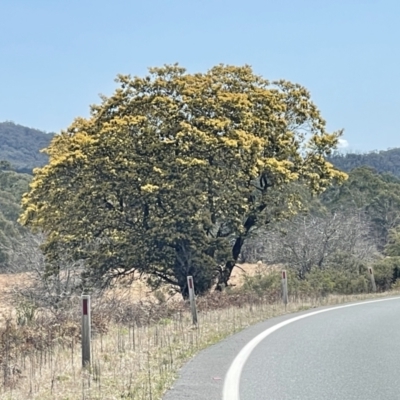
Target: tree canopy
<point x="172" y="173"/>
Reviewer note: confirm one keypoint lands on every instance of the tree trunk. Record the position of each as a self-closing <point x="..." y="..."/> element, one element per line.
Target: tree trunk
<point x="226" y="271"/>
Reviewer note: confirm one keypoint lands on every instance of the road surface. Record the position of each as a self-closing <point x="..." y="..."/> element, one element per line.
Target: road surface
<point x="345" y="352"/>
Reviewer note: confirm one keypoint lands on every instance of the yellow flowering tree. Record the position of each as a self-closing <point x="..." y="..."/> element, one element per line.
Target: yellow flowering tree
<point x="171" y="174"/>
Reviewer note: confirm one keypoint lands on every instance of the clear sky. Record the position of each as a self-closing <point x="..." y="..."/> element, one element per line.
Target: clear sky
<point x="57" y="56"/>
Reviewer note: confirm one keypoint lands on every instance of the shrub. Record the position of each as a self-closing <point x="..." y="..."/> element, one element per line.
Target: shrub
<point x="317" y="283"/>
<point x="262" y="283"/>
<point x="386" y="272"/>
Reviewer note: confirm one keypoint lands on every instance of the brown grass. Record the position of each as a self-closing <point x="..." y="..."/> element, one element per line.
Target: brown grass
<point x="246" y="269"/>
<point x="135" y="288"/>
<point x="138" y="343"/>
<point x="9" y="284"/>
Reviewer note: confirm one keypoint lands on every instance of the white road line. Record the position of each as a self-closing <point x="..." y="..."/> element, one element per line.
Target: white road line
<point x="232" y="378"/>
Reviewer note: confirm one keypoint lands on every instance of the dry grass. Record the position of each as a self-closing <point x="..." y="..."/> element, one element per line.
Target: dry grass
<point x="246" y="269"/>
<point x="136" y="360"/>
<point x="9" y="283"/>
<point x="140" y="340"/>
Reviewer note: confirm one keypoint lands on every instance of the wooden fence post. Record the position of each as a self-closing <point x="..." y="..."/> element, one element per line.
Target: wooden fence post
<point x="284" y="287"/>
<point x="86" y="331"/>
<point x="192" y="299"/>
<point x="371" y="274"/>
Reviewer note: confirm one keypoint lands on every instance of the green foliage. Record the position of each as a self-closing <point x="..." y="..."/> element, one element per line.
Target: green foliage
<point x="362" y="186"/>
<point x="171" y="173"/>
<point x="392" y="247"/>
<point x="21" y="146"/>
<point x="347" y="261"/>
<point x="5" y="166"/>
<point x="337" y="250"/>
<point x="376" y="194"/>
<point x="12" y="186"/>
<point x="384" y="161"/>
<point x="386" y="272"/>
<point x="262" y="283"/>
<point x="317" y="283"/>
<point x="337" y="281"/>
<point x="9" y="208"/>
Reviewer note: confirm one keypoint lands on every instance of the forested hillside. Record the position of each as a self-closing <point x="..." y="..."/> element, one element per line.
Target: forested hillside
<point x="12" y="187"/>
<point x="21" y="146"/>
<point x="381" y="161"/>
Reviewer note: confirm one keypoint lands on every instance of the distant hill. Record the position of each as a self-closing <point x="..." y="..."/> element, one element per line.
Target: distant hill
<point x="382" y="161"/>
<point x="21" y="146"/>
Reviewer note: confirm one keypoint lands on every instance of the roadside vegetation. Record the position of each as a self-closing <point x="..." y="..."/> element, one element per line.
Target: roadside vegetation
<point x="173" y="175"/>
<point x="138" y="346"/>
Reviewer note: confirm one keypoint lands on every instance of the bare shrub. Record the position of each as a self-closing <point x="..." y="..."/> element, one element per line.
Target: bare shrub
<point x="38" y="287"/>
<point x="309" y="241"/>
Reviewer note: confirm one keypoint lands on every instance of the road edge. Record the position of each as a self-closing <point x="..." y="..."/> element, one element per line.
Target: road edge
<point x="230" y="389"/>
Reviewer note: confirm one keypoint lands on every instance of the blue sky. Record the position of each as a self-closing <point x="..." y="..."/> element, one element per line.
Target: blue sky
<point x="56" y="57"/>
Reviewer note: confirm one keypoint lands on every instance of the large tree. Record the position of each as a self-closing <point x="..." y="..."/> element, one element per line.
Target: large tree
<point x="172" y="173"/>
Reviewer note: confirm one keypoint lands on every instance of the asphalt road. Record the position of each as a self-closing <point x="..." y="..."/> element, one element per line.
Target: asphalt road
<point x="348" y="352"/>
